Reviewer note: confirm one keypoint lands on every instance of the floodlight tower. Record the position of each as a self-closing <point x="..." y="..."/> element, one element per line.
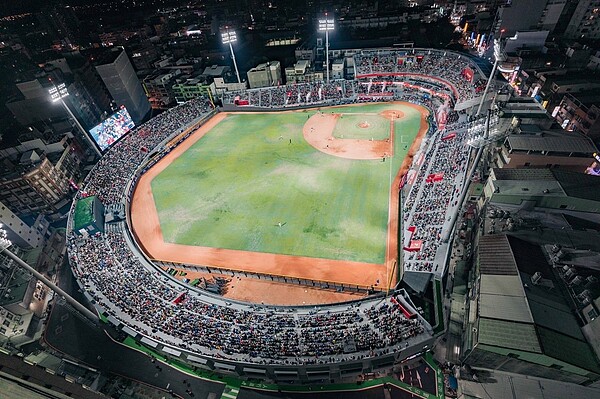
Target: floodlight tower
<point x="482" y="142"/>
<point x="229" y="37"/>
<point x="59" y="93"/>
<point x="326" y="24"/>
<point x="5" y="243"/>
<point x="498" y="57"/>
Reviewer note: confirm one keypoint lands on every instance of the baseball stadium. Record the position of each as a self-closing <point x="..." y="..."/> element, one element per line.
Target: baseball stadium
<point x="293" y="194"/>
<point x="268" y="237"/>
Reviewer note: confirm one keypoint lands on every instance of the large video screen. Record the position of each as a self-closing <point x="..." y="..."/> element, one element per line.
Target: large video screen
<point x="112" y="129"/>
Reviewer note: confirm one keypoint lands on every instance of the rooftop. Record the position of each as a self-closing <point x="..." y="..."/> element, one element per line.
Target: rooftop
<point x="529" y="128"/>
<point x="552" y="182"/>
<point x="522" y="174"/>
<point x="511" y="385"/>
<point x="508" y="334"/>
<point x="13" y="290"/>
<point x="215" y="71"/>
<point x="516" y="313"/>
<point x="553" y="141"/>
<point x="578" y="185"/>
<point x="264" y="66"/>
<point x="495" y="256"/>
<point x="503" y="297"/>
<point x="530" y="109"/>
<point x="576" y="78"/>
<point x="107" y="57"/>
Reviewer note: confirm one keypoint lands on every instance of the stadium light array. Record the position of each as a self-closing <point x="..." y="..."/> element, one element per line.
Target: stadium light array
<point x="498" y="57"/>
<point x="5" y="243"/>
<point x="325" y="25"/>
<point x="59" y="93"/>
<point x="229" y="37"/>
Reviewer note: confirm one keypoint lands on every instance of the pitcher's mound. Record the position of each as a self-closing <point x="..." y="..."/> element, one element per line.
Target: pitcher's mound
<point x="364" y="125"/>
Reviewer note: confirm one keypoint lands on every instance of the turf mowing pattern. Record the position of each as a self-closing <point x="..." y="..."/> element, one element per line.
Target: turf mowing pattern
<point x="347" y="127"/>
<point x="234" y="186"/>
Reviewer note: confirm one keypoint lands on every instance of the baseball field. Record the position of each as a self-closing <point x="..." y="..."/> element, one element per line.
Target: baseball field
<point x="312" y="184"/>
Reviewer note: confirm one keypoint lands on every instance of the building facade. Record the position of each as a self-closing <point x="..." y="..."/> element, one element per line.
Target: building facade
<point x="302" y="71"/>
<point x="120" y="79"/>
<point x="524" y="15"/>
<point x="94" y="98"/>
<point x="537" y="148"/>
<point x="265" y="75"/>
<point x="18" y="231"/>
<point x="338" y="68"/>
<point x="35" y="181"/>
<point x="585" y="22"/>
<point x="580" y="113"/>
<point x="158" y="88"/>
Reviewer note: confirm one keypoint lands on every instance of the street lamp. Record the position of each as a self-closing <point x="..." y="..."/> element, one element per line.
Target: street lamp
<point x="326" y="24"/>
<point x="230" y="37"/>
<point x="5" y="243"/>
<point x="58" y="93"/>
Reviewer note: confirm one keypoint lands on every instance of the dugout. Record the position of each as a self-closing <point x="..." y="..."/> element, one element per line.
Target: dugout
<point x="88" y="217"/>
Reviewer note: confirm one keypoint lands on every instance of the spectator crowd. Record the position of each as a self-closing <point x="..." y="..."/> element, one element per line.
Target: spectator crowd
<point x="430" y="202"/>
<point x="440" y="69"/>
<point x="379" y="76"/>
<point x="144" y="299"/>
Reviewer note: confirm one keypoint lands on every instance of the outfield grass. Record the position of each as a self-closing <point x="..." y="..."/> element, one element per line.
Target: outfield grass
<point x="232" y="188"/>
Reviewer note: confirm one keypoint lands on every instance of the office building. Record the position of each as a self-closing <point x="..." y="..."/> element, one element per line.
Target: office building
<point x="525" y="15"/>
<point x="120" y="79"/>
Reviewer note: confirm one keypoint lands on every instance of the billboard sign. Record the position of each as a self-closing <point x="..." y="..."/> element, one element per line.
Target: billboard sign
<point x="112" y="128"/>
